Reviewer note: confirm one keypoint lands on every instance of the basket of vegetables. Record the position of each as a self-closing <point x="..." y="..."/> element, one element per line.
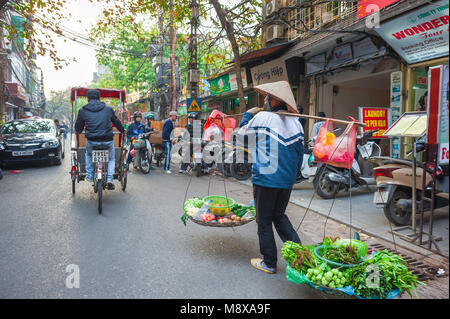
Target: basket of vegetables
<point x="199" y="212"/>
<point x="345" y="254"/>
<point x="380" y="275"/>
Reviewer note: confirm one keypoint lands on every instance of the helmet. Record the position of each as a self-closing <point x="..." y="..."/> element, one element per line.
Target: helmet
<point x="137" y="114"/>
<point x="150" y="116"/>
<point x="192" y="115"/>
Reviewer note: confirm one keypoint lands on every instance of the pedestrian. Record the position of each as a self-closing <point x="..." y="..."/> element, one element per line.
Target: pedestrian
<point x="302" y="120"/>
<point x="317" y="126"/>
<point x="168" y="140"/>
<point x="190" y="130"/>
<point x="273" y="172"/>
<point x="97" y="119"/>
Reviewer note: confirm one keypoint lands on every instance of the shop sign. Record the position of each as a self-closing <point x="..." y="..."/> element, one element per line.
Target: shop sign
<point x="396" y="106"/>
<point x="273" y="71"/>
<point x="365" y="47"/>
<point x="421" y="35"/>
<point x="341" y="55"/>
<point x="220" y="85"/>
<point x="366" y="7"/>
<point x="438" y="113"/>
<point x="233" y="80"/>
<point x="316" y="64"/>
<point x="217" y="105"/>
<point x="376" y="118"/>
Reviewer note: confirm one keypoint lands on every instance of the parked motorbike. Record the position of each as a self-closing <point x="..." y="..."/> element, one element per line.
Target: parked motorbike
<point x="329" y="180"/>
<point x="142" y="150"/>
<point x="309" y="166"/>
<point x="238" y="159"/>
<point x="394" y="183"/>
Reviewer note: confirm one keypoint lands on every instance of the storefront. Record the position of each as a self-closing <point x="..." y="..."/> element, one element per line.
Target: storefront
<point x="354" y="79"/>
<point x="421" y="38"/>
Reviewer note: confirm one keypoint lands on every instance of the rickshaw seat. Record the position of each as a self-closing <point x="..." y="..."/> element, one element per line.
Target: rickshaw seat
<point x="100" y="148"/>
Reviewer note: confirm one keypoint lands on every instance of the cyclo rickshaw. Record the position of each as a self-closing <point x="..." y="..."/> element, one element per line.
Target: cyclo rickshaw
<point x="100" y="155"/>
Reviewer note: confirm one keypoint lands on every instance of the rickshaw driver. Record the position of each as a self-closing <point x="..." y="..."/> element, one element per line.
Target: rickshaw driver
<point x="98" y="119"/>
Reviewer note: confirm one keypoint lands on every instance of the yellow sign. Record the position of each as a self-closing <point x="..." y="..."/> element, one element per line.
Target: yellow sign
<point x="193" y="106"/>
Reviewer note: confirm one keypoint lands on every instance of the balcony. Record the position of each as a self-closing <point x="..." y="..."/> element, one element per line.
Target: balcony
<point x="331" y="15"/>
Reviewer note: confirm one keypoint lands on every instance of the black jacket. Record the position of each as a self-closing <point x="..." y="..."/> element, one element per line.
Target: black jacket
<point x="97" y="117"/>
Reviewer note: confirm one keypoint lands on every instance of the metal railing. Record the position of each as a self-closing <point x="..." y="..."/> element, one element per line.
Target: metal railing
<point x="322" y="15"/>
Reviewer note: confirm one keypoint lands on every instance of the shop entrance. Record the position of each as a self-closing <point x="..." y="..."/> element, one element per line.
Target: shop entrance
<point x="371" y="91"/>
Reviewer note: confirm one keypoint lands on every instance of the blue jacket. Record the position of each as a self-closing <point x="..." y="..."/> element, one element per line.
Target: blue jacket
<point x="275" y="162"/>
<point x="167" y="130"/>
<point x="135" y="128"/>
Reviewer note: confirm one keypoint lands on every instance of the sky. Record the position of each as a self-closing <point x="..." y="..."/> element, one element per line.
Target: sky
<point x="77" y="73"/>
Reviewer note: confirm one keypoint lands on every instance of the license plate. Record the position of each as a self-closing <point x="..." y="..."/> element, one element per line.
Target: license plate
<point x="23" y="153"/>
<point x="380" y="197"/>
<point x="100" y="156"/>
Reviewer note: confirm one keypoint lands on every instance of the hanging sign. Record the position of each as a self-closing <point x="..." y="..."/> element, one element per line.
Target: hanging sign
<point x="272" y="71"/>
<point x="233" y="80"/>
<point x="376" y="118"/>
<point x="421" y="35"/>
<point x="367" y="7"/>
<point x="220" y="85"/>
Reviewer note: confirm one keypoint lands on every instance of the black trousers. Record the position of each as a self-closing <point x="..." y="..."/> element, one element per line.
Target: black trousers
<point x="270" y="204"/>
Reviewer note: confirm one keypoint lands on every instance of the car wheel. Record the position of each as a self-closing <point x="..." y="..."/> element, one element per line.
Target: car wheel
<point x="59" y="159"/>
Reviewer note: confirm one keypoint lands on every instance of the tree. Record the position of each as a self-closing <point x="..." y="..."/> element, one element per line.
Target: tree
<point x="59" y="106"/>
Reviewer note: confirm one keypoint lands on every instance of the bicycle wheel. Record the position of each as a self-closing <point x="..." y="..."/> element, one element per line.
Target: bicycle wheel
<point x="73" y="187"/>
<point x="123" y="180"/>
<point x="100" y="195"/>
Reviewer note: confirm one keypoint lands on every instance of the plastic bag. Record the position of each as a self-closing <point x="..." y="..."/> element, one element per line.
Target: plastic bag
<point x="335" y="151"/>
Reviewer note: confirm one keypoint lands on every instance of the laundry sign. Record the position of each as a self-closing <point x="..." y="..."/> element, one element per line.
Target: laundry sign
<point x="420" y="35"/>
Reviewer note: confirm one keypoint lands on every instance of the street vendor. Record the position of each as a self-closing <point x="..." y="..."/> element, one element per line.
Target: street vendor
<point x="272" y="185"/>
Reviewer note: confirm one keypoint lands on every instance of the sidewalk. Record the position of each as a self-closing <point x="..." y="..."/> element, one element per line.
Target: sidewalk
<point x="364" y="215"/>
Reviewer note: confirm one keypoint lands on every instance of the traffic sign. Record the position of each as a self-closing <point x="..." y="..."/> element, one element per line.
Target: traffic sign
<point x="194" y="105"/>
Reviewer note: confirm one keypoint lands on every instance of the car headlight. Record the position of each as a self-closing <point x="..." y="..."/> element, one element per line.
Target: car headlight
<point x="50" y="144"/>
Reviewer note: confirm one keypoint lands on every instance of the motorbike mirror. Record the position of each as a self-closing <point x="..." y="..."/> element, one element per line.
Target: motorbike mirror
<point x="420" y="147"/>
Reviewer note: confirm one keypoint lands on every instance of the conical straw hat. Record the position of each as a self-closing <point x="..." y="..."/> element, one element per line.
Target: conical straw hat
<point x="282" y="91"/>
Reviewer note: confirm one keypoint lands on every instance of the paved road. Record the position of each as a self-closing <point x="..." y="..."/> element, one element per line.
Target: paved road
<point x="137" y="249"/>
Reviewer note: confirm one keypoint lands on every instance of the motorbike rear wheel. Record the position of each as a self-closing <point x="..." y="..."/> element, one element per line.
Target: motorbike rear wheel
<point x="144" y="162"/>
<point x="324" y="187"/>
<point x="393" y="213"/>
<point x="241" y="171"/>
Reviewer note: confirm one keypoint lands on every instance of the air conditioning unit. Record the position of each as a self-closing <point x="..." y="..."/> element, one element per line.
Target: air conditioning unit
<point x="194" y="75"/>
<point x="274" y="32"/>
<point x="273" y="6"/>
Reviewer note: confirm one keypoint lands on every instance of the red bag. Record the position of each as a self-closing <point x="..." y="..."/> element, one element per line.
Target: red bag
<point x="335" y="151"/>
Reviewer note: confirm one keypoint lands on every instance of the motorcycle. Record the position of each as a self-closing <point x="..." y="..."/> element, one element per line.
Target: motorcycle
<point x="330" y="180"/>
<point x="309" y="166"/>
<point x="394" y="184"/>
<point x="142" y="151"/>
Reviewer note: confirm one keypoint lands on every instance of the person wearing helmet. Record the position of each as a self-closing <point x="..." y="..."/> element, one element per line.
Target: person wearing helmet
<point x="150" y="119"/>
<point x="190" y="129"/>
<point x="134" y="129"/>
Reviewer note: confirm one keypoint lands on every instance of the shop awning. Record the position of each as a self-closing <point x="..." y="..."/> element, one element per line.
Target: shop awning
<point x="264" y="52"/>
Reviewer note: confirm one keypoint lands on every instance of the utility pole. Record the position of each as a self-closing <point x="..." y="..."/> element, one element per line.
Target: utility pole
<point x="193" y="72"/>
<point x="3" y="61"/>
<point x="173" y="33"/>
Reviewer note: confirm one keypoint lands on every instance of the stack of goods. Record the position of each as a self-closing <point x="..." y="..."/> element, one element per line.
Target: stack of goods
<point x="344" y="266"/>
<point x="217" y="210"/>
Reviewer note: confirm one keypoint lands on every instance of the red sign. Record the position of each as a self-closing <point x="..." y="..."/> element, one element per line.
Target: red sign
<point x="376" y="119"/>
<point x="366" y="7"/>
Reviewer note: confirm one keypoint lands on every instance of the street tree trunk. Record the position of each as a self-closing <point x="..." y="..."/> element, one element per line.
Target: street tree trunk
<point x="228" y="27"/>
